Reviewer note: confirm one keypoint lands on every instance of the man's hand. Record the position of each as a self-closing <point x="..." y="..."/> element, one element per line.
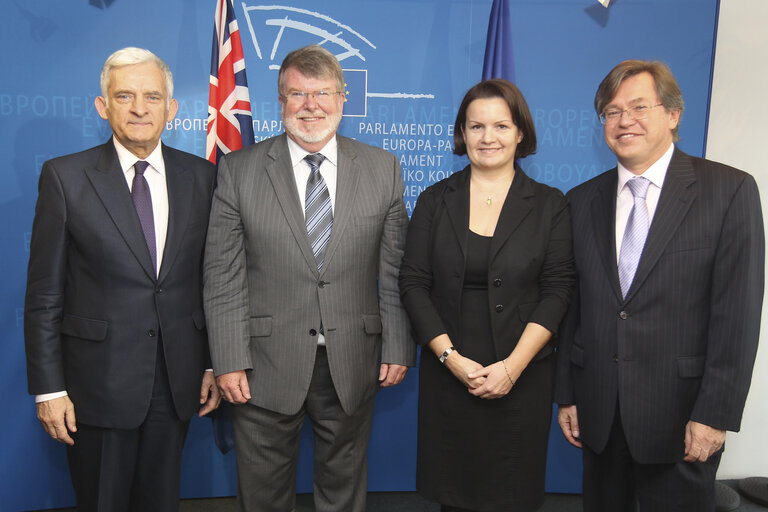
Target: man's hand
<point x="210" y="397"/>
<point x="568" y="418"/>
<point x="702" y="441"/>
<point x="391" y="374"/>
<point x="58" y="418"/>
<point x="234" y="387"/>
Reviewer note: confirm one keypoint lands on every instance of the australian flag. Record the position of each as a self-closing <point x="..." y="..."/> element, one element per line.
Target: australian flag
<point x="498" y="62"/>
<point x="230" y="126"/>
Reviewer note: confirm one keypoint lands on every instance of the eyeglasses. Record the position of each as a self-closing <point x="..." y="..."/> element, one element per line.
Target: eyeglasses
<point x="638" y="113"/>
<point x="298" y="97"/>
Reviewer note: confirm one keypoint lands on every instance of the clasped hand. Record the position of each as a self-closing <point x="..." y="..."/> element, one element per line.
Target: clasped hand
<point x="482" y="381"/>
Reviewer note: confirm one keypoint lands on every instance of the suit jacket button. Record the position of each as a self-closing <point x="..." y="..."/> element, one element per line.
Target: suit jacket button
<point x="151" y="333"/>
<point x="312" y="332"/>
<point x="321" y="284"/>
<point x="623" y="315"/>
<point x="497" y="282"/>
<point x="615" y="358"/>
<point x="158" y="290"/>
<point x="499" y="308"/>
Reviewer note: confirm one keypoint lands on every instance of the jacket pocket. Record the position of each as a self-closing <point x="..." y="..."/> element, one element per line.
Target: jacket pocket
<point x="690" y="367"/>
<point x="577" y="356"/>
<point x="260" y="325"/>
<point x="85" y="328"/>
<point x="372" y="324"/>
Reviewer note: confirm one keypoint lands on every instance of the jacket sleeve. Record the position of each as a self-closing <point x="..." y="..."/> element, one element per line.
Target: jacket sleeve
<point x="416" y="272"/>
<point x="46" y="278"/>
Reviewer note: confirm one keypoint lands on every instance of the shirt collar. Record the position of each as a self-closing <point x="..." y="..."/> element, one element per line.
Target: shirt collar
<point x="298" y="153"/>
<point x="655" y="173"/>
<point x="127" y="159"/>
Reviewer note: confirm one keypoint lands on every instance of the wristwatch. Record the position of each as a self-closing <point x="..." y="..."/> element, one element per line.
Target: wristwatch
<point x="445" y="354"/>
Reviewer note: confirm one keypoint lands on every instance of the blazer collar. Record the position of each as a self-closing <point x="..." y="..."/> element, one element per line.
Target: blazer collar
<point x="347" y="180"/>
<point x="180" y="184"/>
<point x="603" y="215"/>
<point x="280" y="172"/>
<point x="516" y="207"/>
<point x="108" y="181"/>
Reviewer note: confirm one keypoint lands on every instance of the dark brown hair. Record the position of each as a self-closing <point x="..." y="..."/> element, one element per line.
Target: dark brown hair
<point x="521" y="116"/>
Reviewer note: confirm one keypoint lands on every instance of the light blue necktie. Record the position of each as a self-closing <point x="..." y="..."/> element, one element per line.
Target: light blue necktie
<point x="634" y="234"/>
<point x="317" y="209"/>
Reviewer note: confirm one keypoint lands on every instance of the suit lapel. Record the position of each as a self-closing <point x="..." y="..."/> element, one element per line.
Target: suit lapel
<point x="109" y="182"/>
<point x="347" y="181"/>
<point x="179" y="182"/>
<point x="677" y="196"/>
<point x="516" y="207"/>
<point x="456" y="201"/>
<point x="603" y="216"/>
<point x="280" y="172"/>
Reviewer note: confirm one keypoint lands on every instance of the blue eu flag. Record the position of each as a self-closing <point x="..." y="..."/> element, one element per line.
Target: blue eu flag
<point x="498" y="62"/>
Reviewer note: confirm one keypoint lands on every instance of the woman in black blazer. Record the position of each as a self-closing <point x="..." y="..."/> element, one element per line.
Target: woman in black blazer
<point x="486" y="278"/>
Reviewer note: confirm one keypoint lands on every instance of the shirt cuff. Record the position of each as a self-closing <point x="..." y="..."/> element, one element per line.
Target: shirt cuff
<point x="49" y="396"/>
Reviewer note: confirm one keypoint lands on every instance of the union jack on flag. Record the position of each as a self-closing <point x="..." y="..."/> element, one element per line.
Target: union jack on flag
<point x="229" y="108"/>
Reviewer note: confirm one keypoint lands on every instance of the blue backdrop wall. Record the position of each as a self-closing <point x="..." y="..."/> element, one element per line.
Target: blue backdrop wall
<point x="409" y="63"/>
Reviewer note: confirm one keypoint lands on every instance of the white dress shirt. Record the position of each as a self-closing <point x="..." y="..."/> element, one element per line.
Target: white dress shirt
<point x="624" y="199"/>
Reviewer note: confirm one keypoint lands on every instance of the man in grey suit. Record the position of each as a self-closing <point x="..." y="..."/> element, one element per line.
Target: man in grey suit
<point x="300" y="284"/>
<point x="657" y="349"/>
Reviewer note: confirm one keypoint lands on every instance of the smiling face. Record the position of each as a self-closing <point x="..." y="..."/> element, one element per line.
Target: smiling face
<point x="137" y="106"/>
<point x="639" y="143"/>
<point x="490" y="135"/>
<point x="311" y="121"/>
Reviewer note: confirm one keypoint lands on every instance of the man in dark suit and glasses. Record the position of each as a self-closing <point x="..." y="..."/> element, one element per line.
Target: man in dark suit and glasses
<point x="301" y="265"/>
<point x="657" y="349"/>
<point x="113" y="322"/>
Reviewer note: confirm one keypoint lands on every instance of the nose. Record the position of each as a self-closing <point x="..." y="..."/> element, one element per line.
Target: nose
<point x="626" y="119"/>
<point x="139" y="106"/>
<point x="488" y="135"/>
<point x="310" y="101"/>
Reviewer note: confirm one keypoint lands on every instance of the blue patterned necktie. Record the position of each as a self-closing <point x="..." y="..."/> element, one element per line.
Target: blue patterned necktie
<point x="634" y="234"/>
<point x="142" y="200"/>
<point x="317" y="209"/>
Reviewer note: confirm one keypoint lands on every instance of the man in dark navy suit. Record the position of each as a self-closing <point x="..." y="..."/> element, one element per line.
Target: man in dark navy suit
<point x="114" y="327"/>
<point x="657" y="349"/>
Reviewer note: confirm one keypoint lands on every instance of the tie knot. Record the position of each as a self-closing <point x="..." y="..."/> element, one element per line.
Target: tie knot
<point x="314" y="160"/>
<point x="638" y="186"/>
<point x="140" y="167"/>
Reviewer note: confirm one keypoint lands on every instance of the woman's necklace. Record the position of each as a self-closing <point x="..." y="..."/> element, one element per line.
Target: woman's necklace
<point x="489" y="200"/>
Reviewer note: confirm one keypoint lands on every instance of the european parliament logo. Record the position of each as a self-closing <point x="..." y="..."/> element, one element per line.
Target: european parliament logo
<point x="273" y="27"/>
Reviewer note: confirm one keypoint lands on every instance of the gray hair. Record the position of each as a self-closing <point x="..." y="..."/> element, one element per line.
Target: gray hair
<point x="130" y="56"/>
<point x="314" y="62"/>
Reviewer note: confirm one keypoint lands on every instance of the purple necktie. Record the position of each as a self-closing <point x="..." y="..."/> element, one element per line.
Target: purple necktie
<point x="142" y="200"/>
<point x="634" y="234"/>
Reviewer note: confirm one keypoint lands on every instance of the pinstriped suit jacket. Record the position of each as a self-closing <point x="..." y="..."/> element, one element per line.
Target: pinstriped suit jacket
<point x="682" y="344"/>
<point x="263" y="294"/>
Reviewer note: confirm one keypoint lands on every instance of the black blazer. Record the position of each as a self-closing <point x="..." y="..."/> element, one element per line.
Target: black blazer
<point x="94" y="308"/>
<point x="681" y="346"/>
<point x="530" y="275"/>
